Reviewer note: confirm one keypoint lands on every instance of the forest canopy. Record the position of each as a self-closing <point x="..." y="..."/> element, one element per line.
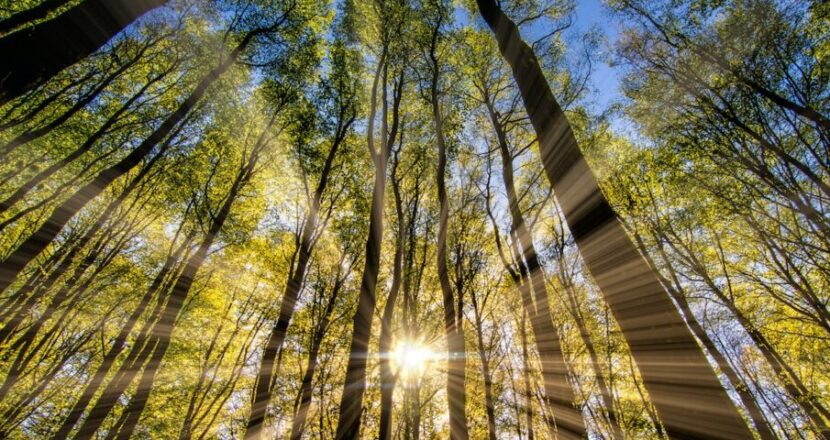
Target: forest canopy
<point x="245" y="219"/>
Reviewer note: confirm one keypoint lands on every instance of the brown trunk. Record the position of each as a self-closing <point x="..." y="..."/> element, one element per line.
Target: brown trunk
<point x="29" y="136"/>
<point x="387" y="378"/>
<point x="584" y="334"/>
<point x="351" y="402"/>
<point x="559" y="395"/>
<point x="604" y="390"/>
<point x="266" y="375"/>
<point x="486" y="375"/>
<point x="29" y="15"/>
<point x="30" y="184"/>
<point x="119" y="344"/>
<point x="528" y="407"/>
<point x="453" y="331"/>
<point x="675" y="289"/>
<point x="34" y="55"/>
<point x="671" y="362"/>
<point x="304" y="394"/>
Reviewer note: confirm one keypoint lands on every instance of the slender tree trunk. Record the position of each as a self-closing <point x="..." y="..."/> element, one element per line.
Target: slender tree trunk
<point x="671" y="362"/>
<point x="24" y="189"/>
<point x="132" y="414"/>
<point x="119" y="344"/>
<point x="604" y="390"/>
<point x="576" y="312"/>
<point x="29" y="15"/>
<point x="453" y="331"/>
<point x="559" y="395"/>
<point x="32" y="135"/>
<point x="351" y="402"/>
<point x="528" y="406"/>
<point x="649" y="408"/>
<point x="14" y="263"/>
<point x="387" y="378"/>
<point x="747" y="399"/>
<point x="33" y="56"/>
<point x="262" y="392"/>
<point x="304" y="394"/>
<point x="38" y="291"/>
<point x="163" y="329"/>
<point x="489" y="403"/>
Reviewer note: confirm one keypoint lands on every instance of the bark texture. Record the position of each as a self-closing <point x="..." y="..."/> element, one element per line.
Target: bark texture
<point x="687" y="393"/>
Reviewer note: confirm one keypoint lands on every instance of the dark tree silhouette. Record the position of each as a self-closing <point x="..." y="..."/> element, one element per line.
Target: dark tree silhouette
<point x="34" y="55"/>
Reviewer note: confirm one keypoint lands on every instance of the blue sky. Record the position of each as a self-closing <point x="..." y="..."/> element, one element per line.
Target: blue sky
<point x="590" y="13"/>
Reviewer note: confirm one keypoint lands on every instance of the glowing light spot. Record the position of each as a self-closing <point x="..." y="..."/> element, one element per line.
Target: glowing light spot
<point x="411" y="359"/>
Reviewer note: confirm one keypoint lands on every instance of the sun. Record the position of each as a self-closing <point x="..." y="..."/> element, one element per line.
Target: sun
<point x="411" y="359"/>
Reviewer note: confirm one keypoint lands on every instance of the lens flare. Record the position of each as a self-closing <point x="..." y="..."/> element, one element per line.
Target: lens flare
<point x="411" y="359"/>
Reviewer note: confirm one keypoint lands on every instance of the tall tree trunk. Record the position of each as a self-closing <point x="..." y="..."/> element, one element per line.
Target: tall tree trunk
<point x="29" y="15"/>
<point x="33" y="56"/>
<point x="671" y="362"/>
<point x="453" y="331"/>
<point x="17" y="314"/>
<point x="559" y="395"/>
<point x="489" y="403"/>
<point x="351" y="402"/>
<point x="119" y="344"/>
<point x="675" y="289"/>
<point x="14" y="263"/>
<point x="265" y="377"/>
<point x="304" y="394"/>
<point x="584" y="334"/>
<point x="387" y="378"/>
<point x="34" y="181"/>
<point x="604" y="389"/>
<point x="528" y="393"/>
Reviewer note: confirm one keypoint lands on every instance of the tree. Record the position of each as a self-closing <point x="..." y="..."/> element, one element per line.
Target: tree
<point x="592" y="221"/>
<point x="79" y="31"/>
<point x="340" y="91"/>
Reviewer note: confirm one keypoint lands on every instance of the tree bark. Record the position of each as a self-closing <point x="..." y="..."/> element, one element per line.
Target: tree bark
<point x="33" y="56"/>
<point x="559" y="395"/>
<point x="351" y="402"/>
<point x="675" y="290"/>
<point x="387" y="378"/>
<point x="528" y="394"/>
<point x="262" y="392"/>
<point x="304" y="394"/>
<point x="671" y="362"/>
<point x="453" y="330"/>
<point x="489" y="403"/>
<point x="119" y="344"/>
<point x="24" y="189"/>
<point x="576" y="313"/>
